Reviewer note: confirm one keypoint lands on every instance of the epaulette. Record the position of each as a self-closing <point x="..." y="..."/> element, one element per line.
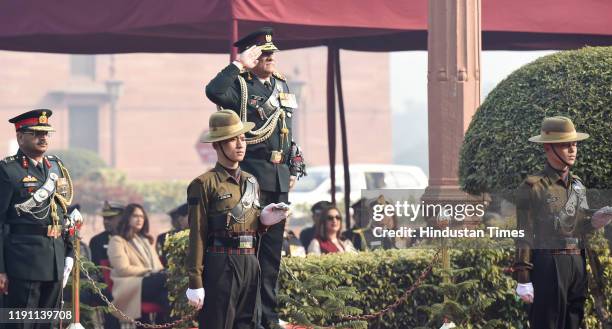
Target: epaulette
<point x="279" y="76"/>
<point x="531" y="180"/>
<point x="8" y="159"/>
<point x="54" y="158"/>
<point x="576" y="177"/>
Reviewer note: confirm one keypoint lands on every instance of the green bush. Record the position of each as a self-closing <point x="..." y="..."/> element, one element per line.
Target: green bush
<point x="378" y="278"/>
<point x="80" y="162"/>
<point x="161" y="197"/>
<point x="578" y="84"/>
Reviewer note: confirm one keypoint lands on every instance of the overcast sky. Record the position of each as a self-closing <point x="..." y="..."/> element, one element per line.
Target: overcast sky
<point x="409" y="73"/>
<point x="408" y="92"/>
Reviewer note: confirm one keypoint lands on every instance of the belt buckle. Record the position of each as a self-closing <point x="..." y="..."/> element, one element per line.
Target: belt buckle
<point x="571" y="243"/>
<point x="245" y="242"/>
<point x="54" y="231"/>
<point x="276" y="157"/>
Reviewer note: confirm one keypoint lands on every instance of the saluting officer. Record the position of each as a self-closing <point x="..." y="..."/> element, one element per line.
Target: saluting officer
<point x="253" y="88"/>
<point x="552" y="210"/>
<point x="224" y="222"/>
<point x="35" y="251"/>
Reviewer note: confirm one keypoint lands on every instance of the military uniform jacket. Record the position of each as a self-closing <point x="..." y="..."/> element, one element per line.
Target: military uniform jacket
<point x="210" y="197"/>
<point x="224" y="90"/>
<point x="541" y="211"/>
<point x="99" y="247"/>
<point x="28" y="256"/>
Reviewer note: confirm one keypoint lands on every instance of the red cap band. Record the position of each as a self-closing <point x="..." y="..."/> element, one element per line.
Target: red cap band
<point x="26" y="122"/>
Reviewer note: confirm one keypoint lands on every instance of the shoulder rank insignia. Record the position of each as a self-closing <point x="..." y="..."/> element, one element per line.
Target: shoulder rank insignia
<point x="279" y="76"/>
<point x="8" y="159"/>
<point x="532" y="179"/>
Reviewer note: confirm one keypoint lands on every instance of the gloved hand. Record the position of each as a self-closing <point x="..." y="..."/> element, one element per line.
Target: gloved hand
<point x="195" y="297"/>
<point x="602" y="217"/>
<point x="68" y="263"/>
<point x="525" y="291"/>
<point x="274" y="213"/>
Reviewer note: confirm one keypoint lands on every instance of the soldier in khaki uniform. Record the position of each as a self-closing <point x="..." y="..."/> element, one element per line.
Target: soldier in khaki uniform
<point x="224" y="221"/>
<point x="552" y="210"/>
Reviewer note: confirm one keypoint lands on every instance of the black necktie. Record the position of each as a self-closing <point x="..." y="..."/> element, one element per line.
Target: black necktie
<point x="268" y="85"/>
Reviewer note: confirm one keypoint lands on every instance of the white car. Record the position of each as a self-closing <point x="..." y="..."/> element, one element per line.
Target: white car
<point x="317" y="185"/>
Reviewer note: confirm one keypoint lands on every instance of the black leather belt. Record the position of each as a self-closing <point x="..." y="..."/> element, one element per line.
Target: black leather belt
<point x="28" y="229"/>
<point x="265" y="155"/>
<point x="246" y="241"/>
<point x="562" y="251"/>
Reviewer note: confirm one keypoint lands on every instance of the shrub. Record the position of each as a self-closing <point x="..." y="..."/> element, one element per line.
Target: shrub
<point x="496" y="152"/>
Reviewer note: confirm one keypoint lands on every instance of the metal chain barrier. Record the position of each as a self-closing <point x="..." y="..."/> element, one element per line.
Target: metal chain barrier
<point x="364" y="317"/>
<point x="123" y="315"/>
<point x="398" y="301"/>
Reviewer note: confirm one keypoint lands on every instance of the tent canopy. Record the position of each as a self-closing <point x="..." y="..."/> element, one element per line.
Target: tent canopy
<point x="195" y="26"/>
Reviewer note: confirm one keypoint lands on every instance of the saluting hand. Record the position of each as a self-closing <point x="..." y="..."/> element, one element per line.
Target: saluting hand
<point x="249" y="57"/>
<point x="4" y="283"/>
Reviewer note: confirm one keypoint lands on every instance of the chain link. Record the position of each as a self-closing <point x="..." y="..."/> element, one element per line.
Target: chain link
<point x="364" y="317"/>
<point x="115" y="310"/>
<point x="401" y="299"/>
<point x="398" y="302"/>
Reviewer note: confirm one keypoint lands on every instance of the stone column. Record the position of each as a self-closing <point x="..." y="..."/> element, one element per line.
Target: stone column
<point x="453" y="94"/>
<point x="453" y="87"/>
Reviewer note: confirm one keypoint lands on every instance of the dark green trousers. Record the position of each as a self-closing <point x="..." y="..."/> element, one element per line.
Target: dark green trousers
<point x="560" y="288"/>
<point x="33" y="295"/>
<point x="231" y="285"/>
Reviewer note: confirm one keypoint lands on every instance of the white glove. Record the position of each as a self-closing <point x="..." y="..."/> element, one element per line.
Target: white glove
<point x="274" y="213"/>
<point x="525" y="291"/>
<point x="195" y="297"/>
<point x="68" y="263"/>
<point x="602" y="217"/>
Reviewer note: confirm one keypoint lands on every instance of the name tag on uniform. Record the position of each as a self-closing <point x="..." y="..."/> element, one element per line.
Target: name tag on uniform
<point x="245" y="242"/>
<point x="288" y="100"/>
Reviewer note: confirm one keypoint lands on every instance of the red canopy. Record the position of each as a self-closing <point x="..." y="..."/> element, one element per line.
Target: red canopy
<point x="119" y="26"/>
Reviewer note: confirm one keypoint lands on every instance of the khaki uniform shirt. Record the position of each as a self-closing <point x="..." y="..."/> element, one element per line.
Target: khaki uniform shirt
<point x="210" y="197"/>
<point x="541" y="203"/>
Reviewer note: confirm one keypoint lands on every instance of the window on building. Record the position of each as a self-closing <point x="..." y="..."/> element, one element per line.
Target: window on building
<point x="84" y="127"/>
<point x="83" y="66"/>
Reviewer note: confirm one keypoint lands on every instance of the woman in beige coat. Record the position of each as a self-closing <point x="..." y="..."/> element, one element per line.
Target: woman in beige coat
<point x="137" y="272"/>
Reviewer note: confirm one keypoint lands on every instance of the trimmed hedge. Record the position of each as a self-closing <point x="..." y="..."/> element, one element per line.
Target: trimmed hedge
<point x="496" y="152"/>
<point x="380" y="277"/>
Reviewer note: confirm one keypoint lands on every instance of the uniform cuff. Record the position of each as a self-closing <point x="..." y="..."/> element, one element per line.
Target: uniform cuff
<point x="195" y="283"/>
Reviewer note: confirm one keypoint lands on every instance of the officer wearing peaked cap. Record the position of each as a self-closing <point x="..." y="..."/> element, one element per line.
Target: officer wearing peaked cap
<point x="552" y="209"/>
<point x="253" y="88"/>
<point x="225" y="222"/>
<point x="35" y="249"/>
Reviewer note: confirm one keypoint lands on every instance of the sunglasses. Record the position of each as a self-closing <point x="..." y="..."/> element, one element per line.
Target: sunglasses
<point x="332" y="217"/>
<point x="38" y="133"/>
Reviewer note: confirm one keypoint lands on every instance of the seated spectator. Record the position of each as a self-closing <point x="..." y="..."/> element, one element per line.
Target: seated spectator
<point x="178" y="217"/>
<point x="137" y="272"/>
<point x="328" y="239"/>
<point x="292" y="247"/>
<point x="362" y="234"/>
<point x="307" y="234"/>
<point x="111" y="214"/>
